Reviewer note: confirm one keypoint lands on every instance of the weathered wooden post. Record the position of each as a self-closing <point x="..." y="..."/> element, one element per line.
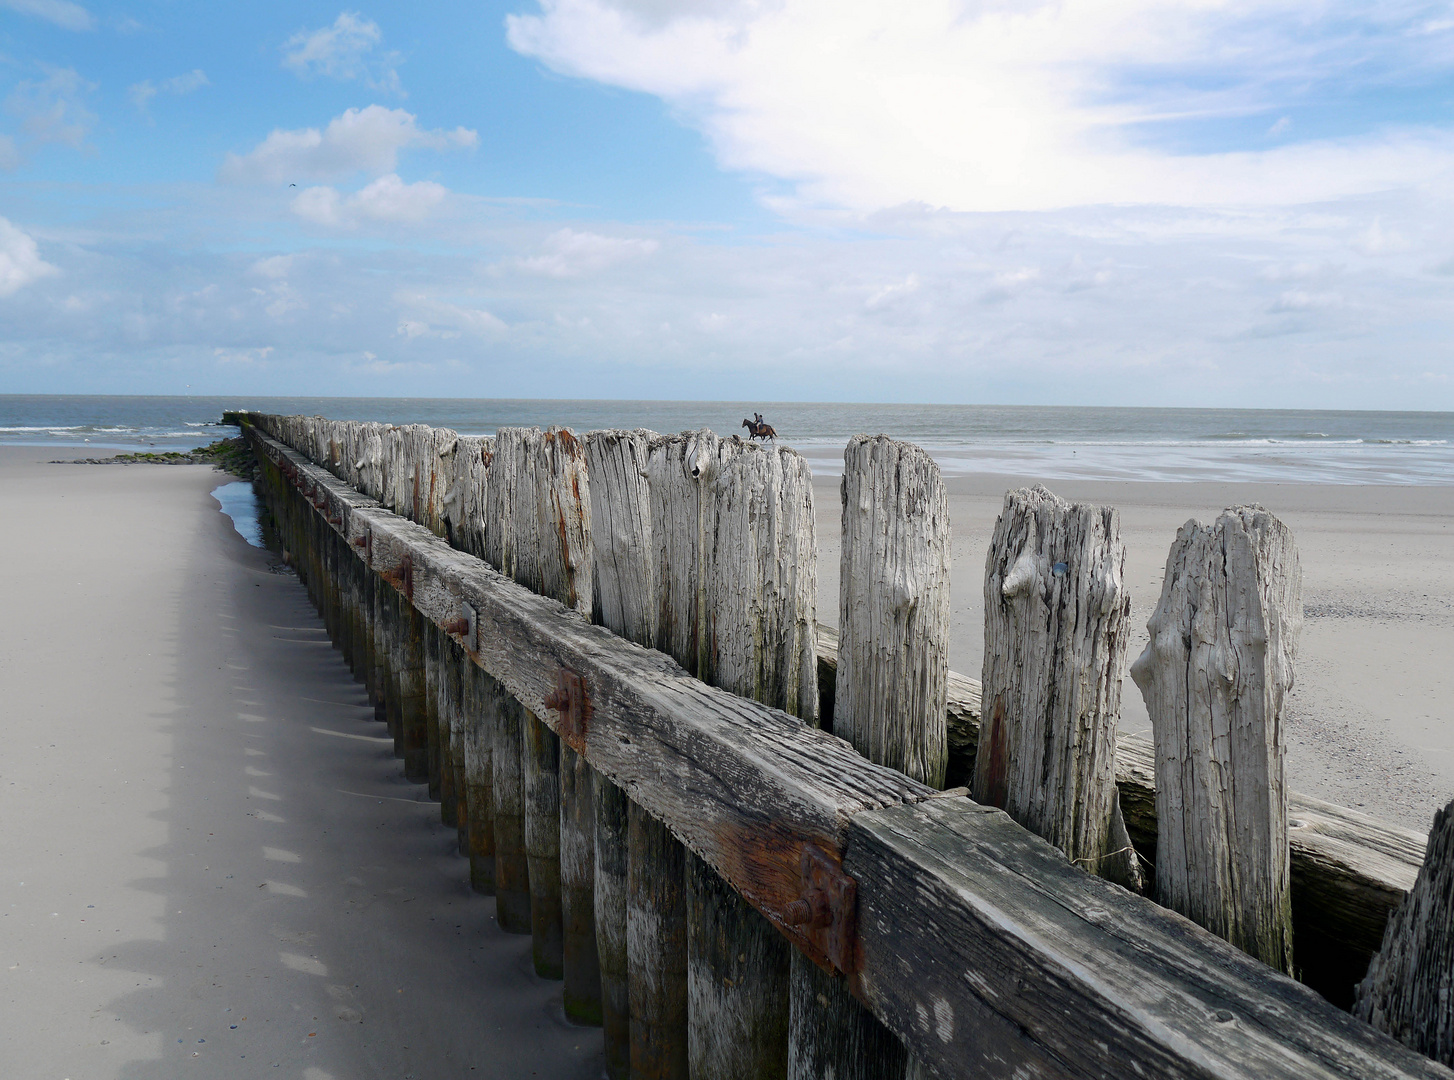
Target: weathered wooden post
<point x="757" y="613"/>
<point x="542" y="485"/>
<point x="1214" y="675"/>
<point x="1409" y="989"/>
<point x="1057" y="619"/>
<point x="540" y="784"/>
<point x="477" y="826"/>
<point x="656" y="945"/>
<point x="625" y="602"/>
<point x="611" y="889"/>
<point x="889" y="700"/>
<point x="512" y="875"/>
<point x="580" y="957"/>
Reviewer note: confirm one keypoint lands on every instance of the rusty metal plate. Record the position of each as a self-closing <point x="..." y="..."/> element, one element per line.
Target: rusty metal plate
<point x="574" y="706"/>
<point x="827" y="911"/>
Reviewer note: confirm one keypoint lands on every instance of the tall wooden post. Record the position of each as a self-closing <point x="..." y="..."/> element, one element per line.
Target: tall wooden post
<point x="611" y="890"/>
<point x="757" y="590"/>
<point x="889" y="700"/>
<point x="512" y="873"/>
<point x="656" y="944"/>
<point x="452" y="662"/>
<point x="626" y="602"/>
<point x="434" y="643"/>
<point x="893" y="608"/>
<point x="580" y="962"/>
<point x="539" y="483"/>
<point x="413" y="700"/>
<point x="1409" y="989"/>
<point x="477" y="828"/>
<point x="1215" y="674"/>
<point x="540" y="785"/>
<point x="1057" y="619"/>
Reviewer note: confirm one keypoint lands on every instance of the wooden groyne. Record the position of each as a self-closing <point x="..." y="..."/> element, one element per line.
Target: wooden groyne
<point x="951" y="932"/>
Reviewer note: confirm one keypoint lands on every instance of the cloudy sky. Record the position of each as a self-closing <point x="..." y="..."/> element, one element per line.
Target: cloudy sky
<point x="1203" y="202"/>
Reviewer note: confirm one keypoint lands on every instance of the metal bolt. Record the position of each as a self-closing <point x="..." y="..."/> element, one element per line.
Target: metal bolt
<point x="459" y="627"/>
<point x="811" y="910"/>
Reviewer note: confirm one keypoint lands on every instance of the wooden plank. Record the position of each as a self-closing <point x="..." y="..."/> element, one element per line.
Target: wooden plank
<point x="1215" y="673"/>
<point x="580" y="959"/>
<point x="1409" y="989"/>
<point x="991" y="956"/>
<point x="478" y="780"/>
<point x="611" y="886"/>
<point x="656" y="927"/>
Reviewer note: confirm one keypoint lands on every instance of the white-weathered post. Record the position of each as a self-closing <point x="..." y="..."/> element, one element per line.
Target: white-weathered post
<point x="1057" y="620"/>
<point x="1214" y="675"/>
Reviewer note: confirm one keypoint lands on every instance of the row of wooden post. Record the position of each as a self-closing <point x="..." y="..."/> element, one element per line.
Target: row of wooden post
<point x="704" y="549"/>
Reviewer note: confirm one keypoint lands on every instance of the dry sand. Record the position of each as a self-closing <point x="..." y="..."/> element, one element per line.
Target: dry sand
<point x="1370" y="721"/>
<point x="210" y="863"/>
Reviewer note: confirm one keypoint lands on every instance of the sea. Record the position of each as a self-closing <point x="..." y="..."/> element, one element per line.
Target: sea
<point x="1050" y="442"/>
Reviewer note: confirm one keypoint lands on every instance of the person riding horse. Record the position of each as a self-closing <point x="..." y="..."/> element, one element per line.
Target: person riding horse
<point x="757" y="429"/>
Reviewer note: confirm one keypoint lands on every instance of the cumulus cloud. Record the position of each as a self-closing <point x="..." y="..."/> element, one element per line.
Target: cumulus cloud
<point x="1045" y="104"/>
<point x="63" y="13"/>
<point x="387" y="199"/>
<point x="344" y="51"/>
<point x="141" y="93"/>
<point x="50" y="110"/>
<point x="568" y="253"/>
<point x="360" y="140"/>
<point x="20" y="261"/>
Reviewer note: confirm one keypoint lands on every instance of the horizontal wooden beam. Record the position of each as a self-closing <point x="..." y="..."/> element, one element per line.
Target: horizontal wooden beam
<point x="977" y="943"/>
<point x="1349" y="870"/>
<point x="986" y="951"/>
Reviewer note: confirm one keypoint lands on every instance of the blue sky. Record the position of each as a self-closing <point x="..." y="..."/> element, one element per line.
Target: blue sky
<point x="1111" y="202"/>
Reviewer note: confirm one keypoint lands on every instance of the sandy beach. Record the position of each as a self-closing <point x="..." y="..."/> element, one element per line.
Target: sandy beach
<point x="211" y="863"/>
<point x="1369" y="721"/>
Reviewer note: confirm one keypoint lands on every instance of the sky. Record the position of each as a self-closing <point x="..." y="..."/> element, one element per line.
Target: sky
<point x="1118" y="202"/>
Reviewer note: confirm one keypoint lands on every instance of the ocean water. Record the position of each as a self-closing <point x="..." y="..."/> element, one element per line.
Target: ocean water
<point x="1050" y="442"/>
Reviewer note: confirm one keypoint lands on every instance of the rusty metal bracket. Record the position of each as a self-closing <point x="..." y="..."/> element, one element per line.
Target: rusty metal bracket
<point x="827" y="912"/>
<point x="463" y="627"/>
<point x="570" y="700"/>
<point x="402" y="578"/>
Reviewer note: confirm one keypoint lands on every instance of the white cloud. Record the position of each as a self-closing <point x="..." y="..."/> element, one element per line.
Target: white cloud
<point x="573" y="254"/>
<point x="141" y="93"/>
<point x="387" y="199"/>
<point x="274" y="267"/>
<point x="344" y="51"/>
<point x="242" y="357"/>
<point x="360" y="140"/>
<point x="63" y="13"/>
<point x="994" y="106"/>
<point x="50" y="109"/>
<point x="20" y="261"/>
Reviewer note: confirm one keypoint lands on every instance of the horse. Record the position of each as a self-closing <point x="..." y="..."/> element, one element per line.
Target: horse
<point x="756" y="429"/>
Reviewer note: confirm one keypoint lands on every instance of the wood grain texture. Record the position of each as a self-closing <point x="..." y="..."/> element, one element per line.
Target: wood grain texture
<point x="1102" y="982"/>
<point x="1409" y="989"/>
<point x="737" y="984"/>
<point x="512" y="871"/>
<point x="612" y="826"/>
<point x="1215" y="673"/>
<point x="579" y="956"/>
<point x="893" y="608"/>
<point x="995" y="957"/>
<point x="1349" y="870"/>
<point x="478" y="740"/>
<point x="656" y="928"/>
<point x="540" y="786"/>
<point x="830" y="1033"/>
<point x="624" y="569"/>
<point x="1057" y="620"/>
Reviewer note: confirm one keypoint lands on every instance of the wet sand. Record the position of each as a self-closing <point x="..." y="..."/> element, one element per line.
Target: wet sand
<point x="1370" y="721"/>
<point x="211" y="864"/>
